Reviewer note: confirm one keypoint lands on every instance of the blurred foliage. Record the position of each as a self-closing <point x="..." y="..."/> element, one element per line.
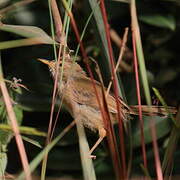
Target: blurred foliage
<point x="159" y="25"/>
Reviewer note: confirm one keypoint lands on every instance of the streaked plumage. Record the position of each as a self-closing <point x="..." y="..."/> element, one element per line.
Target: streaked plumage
<point x="79" y="97"/>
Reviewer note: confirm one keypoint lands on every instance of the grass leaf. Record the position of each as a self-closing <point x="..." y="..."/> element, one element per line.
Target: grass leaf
<point x="24" y="130"/>
<point x="163" y="21"/>
<point x="27" y="31"/>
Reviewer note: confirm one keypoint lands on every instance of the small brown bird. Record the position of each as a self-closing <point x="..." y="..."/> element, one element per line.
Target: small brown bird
<point x="80" y="100"/>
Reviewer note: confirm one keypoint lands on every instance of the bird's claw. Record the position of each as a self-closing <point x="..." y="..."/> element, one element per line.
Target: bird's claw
<point x="92" y="156"/>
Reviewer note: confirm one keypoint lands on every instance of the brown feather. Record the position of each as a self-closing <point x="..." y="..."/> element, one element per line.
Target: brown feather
<point x="79" y="97"/>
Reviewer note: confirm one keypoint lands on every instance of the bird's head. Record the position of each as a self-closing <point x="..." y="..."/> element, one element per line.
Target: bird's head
<point x="51" y="65"/>
<point x="68" y="68"/>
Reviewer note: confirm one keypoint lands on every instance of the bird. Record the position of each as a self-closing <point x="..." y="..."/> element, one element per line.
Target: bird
<point x="79" y="98"/>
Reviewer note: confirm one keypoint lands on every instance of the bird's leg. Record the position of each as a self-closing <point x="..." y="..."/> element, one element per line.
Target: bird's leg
<point x="102" y="135"/>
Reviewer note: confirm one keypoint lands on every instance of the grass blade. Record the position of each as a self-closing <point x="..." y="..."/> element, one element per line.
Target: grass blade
<point x="143" y="73"/>
<point x="87" y="164"/>
<point x="36" y="161"/>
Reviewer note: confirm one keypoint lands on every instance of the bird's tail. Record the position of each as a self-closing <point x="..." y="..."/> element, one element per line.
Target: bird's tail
<point x="153" y="110"/>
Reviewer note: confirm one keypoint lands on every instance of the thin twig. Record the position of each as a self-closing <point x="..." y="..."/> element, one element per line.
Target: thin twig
<point x="120" y="57"/>
<point x="118" y="41"/>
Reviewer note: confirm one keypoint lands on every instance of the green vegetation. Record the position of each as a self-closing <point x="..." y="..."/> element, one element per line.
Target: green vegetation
<point x="31" y="29"/>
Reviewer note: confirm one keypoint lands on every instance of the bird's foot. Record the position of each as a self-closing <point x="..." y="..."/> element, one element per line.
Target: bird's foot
<point x="92" y="156"/>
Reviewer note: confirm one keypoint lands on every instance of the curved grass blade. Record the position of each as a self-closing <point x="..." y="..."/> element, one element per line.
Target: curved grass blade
<point x="27" y="31"/>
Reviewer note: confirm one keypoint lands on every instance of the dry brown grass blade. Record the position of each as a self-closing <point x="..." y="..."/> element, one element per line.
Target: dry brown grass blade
<point x="121" y="53"/>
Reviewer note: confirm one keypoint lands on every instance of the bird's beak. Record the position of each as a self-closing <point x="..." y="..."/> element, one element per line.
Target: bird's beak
<point x="45" y="61"/>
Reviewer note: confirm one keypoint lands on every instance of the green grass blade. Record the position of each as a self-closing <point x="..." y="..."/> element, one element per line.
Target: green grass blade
<point x="87" y="164"/>
<point x="23" y="42"/>
<point x="140" y="54"/>
<point x="143" y="72"/>
<point x="31" y="141"/>
<point x="24" y="130"/>
<point x="26" y="31"/>
<point x="164" y="104"/>
<point x="94" y="5"/>
<point x="37" y="160"/>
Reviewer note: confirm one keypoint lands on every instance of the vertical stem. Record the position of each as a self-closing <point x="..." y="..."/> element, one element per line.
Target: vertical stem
<point x="139" y="102"/>
<point x="115" y="86"/>
<point x="136" y="31"/>
<point x="13" y="121"/>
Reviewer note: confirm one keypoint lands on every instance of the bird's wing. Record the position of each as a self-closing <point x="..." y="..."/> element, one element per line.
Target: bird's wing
<point x="84" y="93"/>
